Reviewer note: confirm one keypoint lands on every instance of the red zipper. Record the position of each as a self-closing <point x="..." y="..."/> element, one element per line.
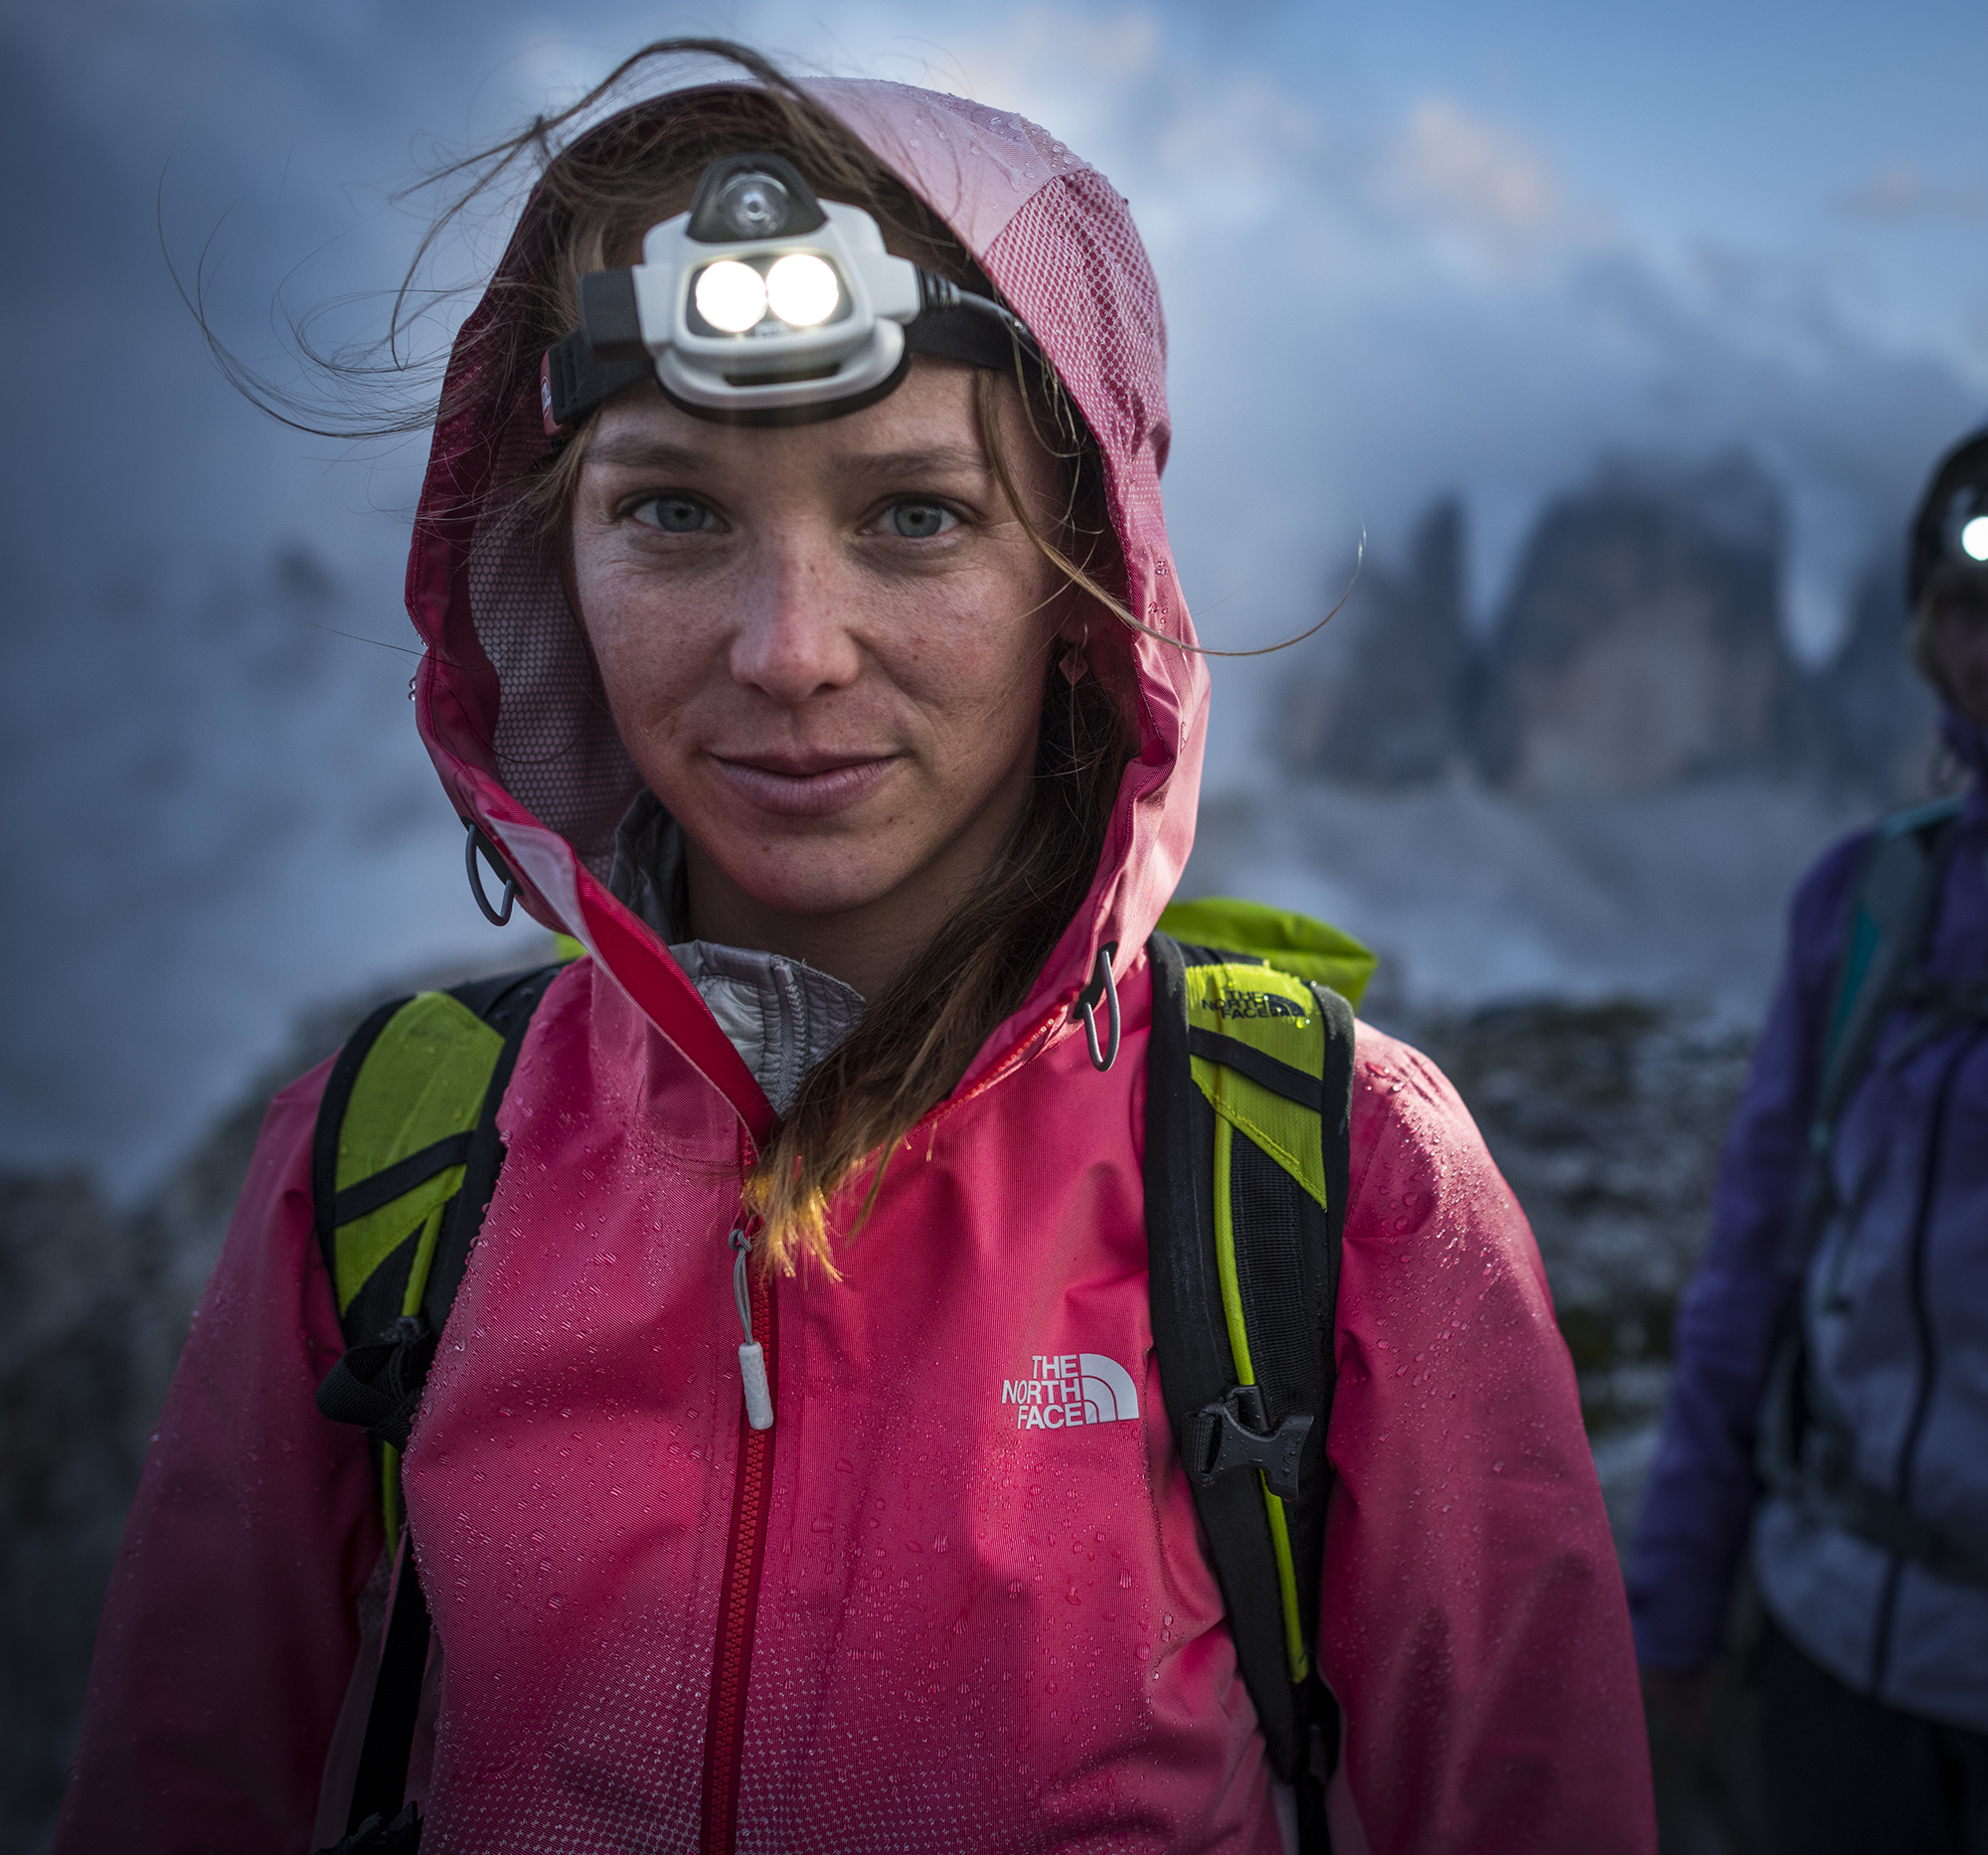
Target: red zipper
<point x="737" y="1605"/>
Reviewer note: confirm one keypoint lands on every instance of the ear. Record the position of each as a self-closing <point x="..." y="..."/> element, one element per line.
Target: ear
<point x="1073" y="634"/>
<point x="1073" y="617"/>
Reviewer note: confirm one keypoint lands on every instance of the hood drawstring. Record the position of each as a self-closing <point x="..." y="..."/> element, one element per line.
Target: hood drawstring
<point x="752" y="1356"/>
<point x="1101" y="985"/>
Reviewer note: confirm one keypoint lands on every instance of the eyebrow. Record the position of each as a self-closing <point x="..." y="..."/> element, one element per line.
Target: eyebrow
<point x="632" y="453"/>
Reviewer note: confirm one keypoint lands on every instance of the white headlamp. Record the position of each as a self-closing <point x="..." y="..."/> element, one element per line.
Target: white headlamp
<point x="762" y="305"/>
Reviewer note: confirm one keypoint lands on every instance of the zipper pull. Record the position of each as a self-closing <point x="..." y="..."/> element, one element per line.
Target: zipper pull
<point x="752" y="1356"/>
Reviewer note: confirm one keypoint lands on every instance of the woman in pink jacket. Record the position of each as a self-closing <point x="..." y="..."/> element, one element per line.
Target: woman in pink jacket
<point x="846" y="738"/>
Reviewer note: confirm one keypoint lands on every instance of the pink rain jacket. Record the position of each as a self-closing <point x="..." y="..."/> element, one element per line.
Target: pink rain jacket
<point x="928" y="1608"/>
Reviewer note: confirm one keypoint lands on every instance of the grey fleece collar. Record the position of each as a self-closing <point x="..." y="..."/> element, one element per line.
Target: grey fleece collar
<point x="782" y="1015"/>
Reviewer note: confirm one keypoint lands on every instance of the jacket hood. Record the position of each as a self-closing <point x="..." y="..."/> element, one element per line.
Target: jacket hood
<point x="506" y="695"/>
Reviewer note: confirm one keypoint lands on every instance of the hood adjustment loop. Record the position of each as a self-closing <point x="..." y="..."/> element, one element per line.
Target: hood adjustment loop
<point x="471" y="845"/>
<point x="1101" y="986"/>
<point x="752" y="1356"/>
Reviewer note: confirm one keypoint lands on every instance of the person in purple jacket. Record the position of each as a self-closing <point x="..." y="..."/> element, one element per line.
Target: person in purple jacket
<point x="1831" y="1394"/>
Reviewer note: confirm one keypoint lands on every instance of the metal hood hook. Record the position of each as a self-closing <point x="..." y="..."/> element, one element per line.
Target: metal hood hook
<point x="471" y="845"/>
<point x="1103" y="986"/>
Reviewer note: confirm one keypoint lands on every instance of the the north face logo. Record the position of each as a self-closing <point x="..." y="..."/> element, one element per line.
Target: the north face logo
<point x="1071" y="1388"/>
<point x="1240" y="1004"/>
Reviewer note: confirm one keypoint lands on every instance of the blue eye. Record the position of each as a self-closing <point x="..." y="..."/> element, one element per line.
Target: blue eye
<point x="674" y="515"/>
<point x="921" y="521"/>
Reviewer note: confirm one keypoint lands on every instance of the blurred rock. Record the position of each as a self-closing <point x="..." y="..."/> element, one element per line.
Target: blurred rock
<point x="1606" y="1121"/>
<point x="1384" y="706"/>
<point x="78" y="1384"/>
<point x="1640" y="644"/>
<point x="1639" y="648"/>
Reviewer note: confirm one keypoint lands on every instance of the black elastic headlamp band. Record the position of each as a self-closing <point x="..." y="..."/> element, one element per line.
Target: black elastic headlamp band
<point x="606" y="353"/>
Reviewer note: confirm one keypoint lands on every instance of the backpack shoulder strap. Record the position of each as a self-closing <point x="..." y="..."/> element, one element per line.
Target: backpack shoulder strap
<point x="1247" y="1130"/>
<point x="1891" y="909"/>
<point x="405" y="1160"/>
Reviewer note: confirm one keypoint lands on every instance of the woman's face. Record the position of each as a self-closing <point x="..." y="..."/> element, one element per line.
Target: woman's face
<point x="824" y="647"/>
<point x="1960" y="638"/>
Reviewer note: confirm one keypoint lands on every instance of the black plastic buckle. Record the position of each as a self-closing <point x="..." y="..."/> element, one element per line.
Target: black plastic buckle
<point x="378" y="1386"/>
<point x="1233" y="1434"/>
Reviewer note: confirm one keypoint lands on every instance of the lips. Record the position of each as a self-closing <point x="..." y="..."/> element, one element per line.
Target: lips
<point x="804" y="785"/>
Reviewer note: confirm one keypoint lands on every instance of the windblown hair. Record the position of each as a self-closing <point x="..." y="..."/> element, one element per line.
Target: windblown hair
<point x="595" y="198"/>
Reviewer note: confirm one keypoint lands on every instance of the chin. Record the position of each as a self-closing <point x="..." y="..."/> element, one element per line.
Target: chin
<point x="804" y="893"/>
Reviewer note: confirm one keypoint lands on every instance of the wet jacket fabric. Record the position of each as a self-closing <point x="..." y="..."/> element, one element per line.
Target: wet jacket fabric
<point x="1895" y="1313"/>
<point x="959" y="1584"/>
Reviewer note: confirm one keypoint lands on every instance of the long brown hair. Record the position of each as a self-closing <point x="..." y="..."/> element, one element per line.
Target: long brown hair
<point x="594" y="200"/>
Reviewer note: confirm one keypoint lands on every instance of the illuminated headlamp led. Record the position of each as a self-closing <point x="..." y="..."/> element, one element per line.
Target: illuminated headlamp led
<point x="803" y="289"/>
<point x="1974" y="539"/>
<point x="762" y="305"/>
<point x="731" y="296"/>
<point x="799" y="291"/>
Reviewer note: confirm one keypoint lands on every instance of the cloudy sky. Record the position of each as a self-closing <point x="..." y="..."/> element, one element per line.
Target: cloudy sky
<point x="1405" y="251"/>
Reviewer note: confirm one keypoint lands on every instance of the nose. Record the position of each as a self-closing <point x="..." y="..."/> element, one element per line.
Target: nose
<point x="792" y="639"/>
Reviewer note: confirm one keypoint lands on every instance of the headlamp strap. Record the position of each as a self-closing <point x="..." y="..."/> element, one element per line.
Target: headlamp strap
<point x="575" y="378"/>
<point x="581" y="371"/>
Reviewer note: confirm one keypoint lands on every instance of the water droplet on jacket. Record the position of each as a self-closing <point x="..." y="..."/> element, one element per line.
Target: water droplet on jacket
<point x="1125" y="1580"/>
<point x="1015" y="1588"/>
<point x="938" y="1541"/>
<point x="1144" y="1651"/>
<point x="545" y="1565"/>
<point x="1497" y="1468"/>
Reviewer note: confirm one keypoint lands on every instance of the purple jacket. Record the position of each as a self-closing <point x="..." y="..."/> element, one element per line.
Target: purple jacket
<point x="1895" y="1307"/>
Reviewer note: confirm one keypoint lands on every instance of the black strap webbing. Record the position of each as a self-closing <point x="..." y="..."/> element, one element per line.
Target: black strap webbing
<point x="1292" y="1344"/>
<point x="337" y="1098"/>
<point x="509" y="1013"/>
<point x="382" y="1779"/>
<point x="402" y="1176"/>
<point x="1266" y="1071"/>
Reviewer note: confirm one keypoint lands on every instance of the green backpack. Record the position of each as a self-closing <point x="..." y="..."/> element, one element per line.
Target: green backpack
<point x="1248" y="1103"/>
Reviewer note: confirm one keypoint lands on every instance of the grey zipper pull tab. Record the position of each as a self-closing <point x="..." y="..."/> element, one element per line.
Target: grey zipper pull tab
<point x="752" y="1356"/>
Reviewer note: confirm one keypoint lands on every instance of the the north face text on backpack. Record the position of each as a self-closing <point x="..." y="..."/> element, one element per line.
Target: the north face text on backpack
<point x="1234" y="1002"/>
<point x="1069" y="1389"/>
